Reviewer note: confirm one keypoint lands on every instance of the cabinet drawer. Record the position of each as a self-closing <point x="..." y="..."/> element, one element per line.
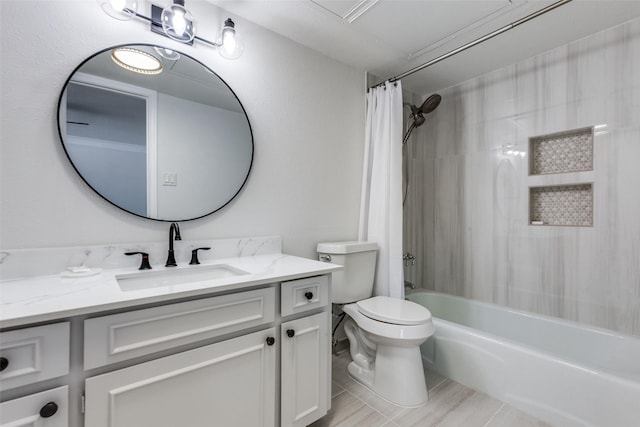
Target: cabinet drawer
<point x="230" y="383"/>
<point x="122" y="336"/>
<point x="302" y="295"/>
<point x="34" y="354"/>
<point x="47" y="409"/>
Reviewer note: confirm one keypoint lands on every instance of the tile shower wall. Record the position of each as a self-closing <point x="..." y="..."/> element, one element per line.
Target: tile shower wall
<point x="467" y="213"/>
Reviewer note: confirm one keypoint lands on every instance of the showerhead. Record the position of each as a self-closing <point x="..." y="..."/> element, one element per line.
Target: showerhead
<point x="430" y="104"/>
<point x="417" y="113"/>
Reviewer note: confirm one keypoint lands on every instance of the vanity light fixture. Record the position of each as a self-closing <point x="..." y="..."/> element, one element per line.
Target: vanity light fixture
<point x="122" y="10"/>
<point x="177" y="23"/>
<point x="136" y="60"/>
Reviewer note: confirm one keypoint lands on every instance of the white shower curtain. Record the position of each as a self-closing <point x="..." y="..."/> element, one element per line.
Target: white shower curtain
<point x="381" y="200"/>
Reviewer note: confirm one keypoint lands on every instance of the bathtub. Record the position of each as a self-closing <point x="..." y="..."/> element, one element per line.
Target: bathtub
<point x="561" y="372"/>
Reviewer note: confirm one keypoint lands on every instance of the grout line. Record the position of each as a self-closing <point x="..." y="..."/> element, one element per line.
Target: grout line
<point x="437" y="385"/>
<point x="494" y="415"/>
<point x="371" y="407"/>
<point x="342" y="390"/>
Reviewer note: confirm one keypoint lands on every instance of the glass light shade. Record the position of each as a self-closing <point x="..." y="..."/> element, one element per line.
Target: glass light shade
<point x="178" y="23"/>
<point x="169" y="54"/>
<point x="123" y="10"/>
<point x="231" y="44"/>
<point x="136" y="60"/>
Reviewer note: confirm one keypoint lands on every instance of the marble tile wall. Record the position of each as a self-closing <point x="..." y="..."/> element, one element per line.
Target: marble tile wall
<point x="23" y="263"/>
<point x="466" y="217"/>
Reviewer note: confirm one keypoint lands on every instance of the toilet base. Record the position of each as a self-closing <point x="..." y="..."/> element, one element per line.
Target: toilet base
<point x="396" y="375"/>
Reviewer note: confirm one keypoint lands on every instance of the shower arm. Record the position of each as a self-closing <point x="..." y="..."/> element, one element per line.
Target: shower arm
<point x="477" y="41"/>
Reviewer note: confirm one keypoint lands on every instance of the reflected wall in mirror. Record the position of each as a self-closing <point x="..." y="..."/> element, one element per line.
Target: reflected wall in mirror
<point x="172" y="146"/>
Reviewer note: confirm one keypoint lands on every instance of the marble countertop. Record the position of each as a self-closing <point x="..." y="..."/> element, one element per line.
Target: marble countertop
<point x="49" y="298"/>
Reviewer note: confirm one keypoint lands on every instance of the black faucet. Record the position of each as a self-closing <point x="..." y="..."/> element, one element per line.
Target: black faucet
<point x="171" y="260"/>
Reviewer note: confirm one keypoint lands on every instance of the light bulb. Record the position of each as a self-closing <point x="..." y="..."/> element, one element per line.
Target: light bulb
<point x="119" y="9"/>
<point x="118" y="4"/>
<point x="178" y="23"/>
<point x="231" y="45"/>
<point x="229" y="41"/>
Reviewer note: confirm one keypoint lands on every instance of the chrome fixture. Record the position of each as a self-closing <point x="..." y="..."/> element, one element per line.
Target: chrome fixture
<point x="408" y="258"/>
<point x="477" y="41"/>
<point x="171" y="259"/>
<point x="176" y="22"/>
<point x="408" y="284"/>
<point x="325" y="258"/>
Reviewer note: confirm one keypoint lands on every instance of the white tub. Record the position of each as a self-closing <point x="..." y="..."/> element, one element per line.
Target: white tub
<point x="562" y="372"/>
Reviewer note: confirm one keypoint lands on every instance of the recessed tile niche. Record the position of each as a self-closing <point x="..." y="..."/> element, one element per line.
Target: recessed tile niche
<point x="561" y="153"/>
<point x="562" y="205"/>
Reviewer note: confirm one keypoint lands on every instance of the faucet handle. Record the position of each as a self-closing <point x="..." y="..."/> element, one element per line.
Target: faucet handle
<point x="144" y="265"/>
<point x="194" y="255"/>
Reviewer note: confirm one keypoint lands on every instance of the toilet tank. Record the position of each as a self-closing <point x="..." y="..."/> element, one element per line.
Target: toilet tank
<point x="355" y="282"/>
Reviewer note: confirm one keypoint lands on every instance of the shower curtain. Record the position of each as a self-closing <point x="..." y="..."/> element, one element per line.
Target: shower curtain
<point x="381" y="199"/>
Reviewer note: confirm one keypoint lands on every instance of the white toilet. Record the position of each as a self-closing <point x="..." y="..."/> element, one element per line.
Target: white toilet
<point x="384" y="333"/>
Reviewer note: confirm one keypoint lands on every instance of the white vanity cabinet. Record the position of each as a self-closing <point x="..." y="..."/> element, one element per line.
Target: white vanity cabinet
<point x="305" y="387"/>
<point x="305" y="390"/>
<point x="230" y="383"/>
<point x="255" y="356"/>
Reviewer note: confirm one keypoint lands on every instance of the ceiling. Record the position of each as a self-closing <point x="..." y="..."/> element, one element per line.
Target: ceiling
<point x="389" y="37"/>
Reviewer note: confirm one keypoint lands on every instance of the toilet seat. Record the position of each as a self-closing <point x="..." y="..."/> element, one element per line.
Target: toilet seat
<point x="395" y="311"/>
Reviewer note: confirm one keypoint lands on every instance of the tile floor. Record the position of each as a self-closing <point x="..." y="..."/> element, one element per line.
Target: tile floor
<point x="450" y="404"/>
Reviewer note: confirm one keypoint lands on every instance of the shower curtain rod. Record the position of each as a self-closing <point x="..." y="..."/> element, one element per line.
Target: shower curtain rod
<point x="476" y="41"/>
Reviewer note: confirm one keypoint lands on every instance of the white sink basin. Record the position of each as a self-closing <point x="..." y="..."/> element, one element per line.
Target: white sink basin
<point x="179" y="276"/>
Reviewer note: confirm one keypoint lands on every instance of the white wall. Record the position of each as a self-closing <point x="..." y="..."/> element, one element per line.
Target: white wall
<point x="306" y="112"/>
<point x="208" y="149"/>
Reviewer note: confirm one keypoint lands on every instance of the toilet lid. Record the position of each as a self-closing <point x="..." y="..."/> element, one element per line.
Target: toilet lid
<point x="394" y="310"/>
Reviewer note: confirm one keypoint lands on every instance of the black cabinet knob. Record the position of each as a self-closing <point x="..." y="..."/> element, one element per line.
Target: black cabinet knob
<point x="49" y="410"/>
<point x="271" y="340"/>
<point x="308" y="295"/>
<point x="290" y="333"/>
<point x="4" y="362"/>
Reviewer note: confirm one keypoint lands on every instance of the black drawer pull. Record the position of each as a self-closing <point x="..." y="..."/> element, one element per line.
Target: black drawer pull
<point x="4" y="362"/>
<point x="308" y="295"/>
<point x="49" y="410"/>
<point x="291" y="333"/>
<point x="271" y="340"/>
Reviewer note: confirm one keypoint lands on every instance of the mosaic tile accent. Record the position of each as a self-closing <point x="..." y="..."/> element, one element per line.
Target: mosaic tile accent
<point x="562" y="205"/>
<point x="570" y="151"/>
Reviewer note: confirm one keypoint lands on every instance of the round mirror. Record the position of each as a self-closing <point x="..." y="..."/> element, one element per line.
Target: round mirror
<point x="165" y="139"/>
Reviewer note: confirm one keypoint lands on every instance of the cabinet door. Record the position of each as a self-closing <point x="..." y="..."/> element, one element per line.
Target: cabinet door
<point x="46" y="409"/>
<point x="306" y="370"/>
<point x="231" y="383"/>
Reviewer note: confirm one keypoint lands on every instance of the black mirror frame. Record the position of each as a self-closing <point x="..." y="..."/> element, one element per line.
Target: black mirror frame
<point x="62" y="92"/>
